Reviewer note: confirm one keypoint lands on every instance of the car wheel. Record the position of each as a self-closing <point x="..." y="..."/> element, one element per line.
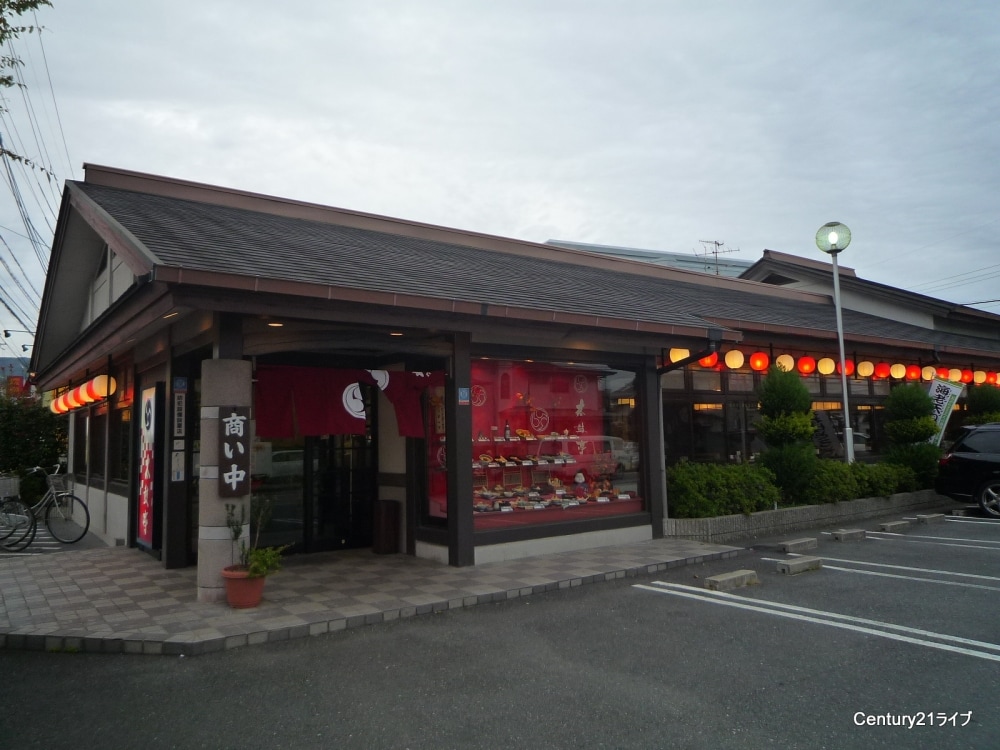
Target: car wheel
<point x="988" y="497"/>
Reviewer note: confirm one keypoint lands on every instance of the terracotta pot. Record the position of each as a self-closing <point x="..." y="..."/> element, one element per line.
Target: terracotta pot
<point x="242" y="592"/>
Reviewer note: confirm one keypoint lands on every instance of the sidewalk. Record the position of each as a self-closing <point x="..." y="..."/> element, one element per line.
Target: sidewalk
<point x="118" y="600"/>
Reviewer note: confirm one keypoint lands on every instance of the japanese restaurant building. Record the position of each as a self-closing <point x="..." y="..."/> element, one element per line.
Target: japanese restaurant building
<point x="395" y="385"/>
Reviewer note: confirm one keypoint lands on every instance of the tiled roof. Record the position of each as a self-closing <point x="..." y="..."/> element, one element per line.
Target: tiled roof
<point x="214" y="238"/>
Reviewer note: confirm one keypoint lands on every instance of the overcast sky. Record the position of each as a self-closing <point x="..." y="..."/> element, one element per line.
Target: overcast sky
<point x="645" y="123"/>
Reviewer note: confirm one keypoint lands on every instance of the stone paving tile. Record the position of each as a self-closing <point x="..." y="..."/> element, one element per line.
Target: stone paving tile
<point x="119" y="600"/>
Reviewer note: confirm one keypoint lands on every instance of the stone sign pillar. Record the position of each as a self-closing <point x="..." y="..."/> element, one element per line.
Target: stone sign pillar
<point x="224" y="383"/>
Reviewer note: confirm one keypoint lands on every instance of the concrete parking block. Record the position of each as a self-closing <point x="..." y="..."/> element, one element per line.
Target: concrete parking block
<point x="930" y="517"/>
<point x="799" y="565"/>
<point x="849" y="535"/>
<point x="733" y="580"/>
<point x="798" y="545"/>
<point x="894" y="526"/>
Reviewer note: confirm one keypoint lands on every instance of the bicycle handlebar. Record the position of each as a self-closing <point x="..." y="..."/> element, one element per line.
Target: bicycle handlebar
<point x="37" y="469"/>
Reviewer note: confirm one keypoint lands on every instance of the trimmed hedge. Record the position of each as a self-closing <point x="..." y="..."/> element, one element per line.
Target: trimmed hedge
<point x="706" y="490"/>
<point x="701" y="490"/>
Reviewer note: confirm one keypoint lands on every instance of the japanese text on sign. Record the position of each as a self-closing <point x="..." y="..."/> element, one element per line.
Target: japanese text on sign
<point x="234" y="453"/>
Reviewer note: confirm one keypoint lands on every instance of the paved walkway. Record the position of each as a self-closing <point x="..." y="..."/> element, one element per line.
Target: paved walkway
<point x="118" y="600"/>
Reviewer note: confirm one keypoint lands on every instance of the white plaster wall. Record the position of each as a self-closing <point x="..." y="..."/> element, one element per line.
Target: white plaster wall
<point x="108" y="514"/>
<point x="570" y="543"/>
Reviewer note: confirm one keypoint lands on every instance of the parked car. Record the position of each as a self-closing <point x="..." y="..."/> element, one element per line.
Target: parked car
<point x="971" y="468"/>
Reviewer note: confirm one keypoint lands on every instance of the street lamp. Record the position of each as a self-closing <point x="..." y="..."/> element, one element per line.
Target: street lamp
<point x="832" y="238"/>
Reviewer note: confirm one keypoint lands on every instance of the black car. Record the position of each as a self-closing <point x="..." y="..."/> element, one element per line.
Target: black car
<point x="971" y="468"/>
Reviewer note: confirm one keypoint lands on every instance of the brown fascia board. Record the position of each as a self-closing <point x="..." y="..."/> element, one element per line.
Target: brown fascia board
<point x="757" y="330"/>
<point x="262" y="285"/>
<point x="123" y="243"/>
<point x="193" y="191"/>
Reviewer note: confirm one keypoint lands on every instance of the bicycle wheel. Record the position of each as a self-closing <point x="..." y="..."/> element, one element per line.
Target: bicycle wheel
<point x="67" y="518"/>
<point x="17" y="525"/>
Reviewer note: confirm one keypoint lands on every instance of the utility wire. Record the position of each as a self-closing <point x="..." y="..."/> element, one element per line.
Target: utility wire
<point x="52" y="91"/>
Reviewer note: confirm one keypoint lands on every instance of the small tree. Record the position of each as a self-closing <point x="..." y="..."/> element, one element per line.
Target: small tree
<point x="786" y="427"/>
<point x="983" y="402"/>
<point x="909" y="424"/>
<point x="30" y="435"/>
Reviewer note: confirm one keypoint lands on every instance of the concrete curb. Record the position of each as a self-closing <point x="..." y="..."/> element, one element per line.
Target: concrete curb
<point x="768" y="523"/>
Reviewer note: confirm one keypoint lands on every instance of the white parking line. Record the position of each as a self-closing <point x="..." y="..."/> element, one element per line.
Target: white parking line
<point x="911" y="540"/>
<point x="912" y="578"/>
<point x="688" y="592"/>
<point x="834" y="615"/>
<point x="945" y="538"/>
<point x="952" y="519"/>
<point x="897" y="567"/>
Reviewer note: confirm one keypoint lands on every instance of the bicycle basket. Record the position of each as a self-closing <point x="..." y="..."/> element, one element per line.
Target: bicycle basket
<point x="57" y="482"/>
<point x="10" y="486"/>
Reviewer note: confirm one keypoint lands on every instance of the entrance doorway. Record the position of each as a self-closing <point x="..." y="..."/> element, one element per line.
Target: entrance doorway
<point x="322" y="490"/>
<point x="340" y="493"/>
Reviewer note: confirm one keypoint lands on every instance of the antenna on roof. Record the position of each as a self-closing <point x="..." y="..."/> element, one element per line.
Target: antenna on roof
<point x="718" y="248"/>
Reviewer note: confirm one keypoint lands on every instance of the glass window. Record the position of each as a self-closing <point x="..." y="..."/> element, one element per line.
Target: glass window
<point x="118" y="444"/>
<point x="740" y="382"/>
<point x="551" y="442"/>
<point x="858" y="386"/>
<point x="706" y="380"/>
<point x="673" y="380"/>
<point x="80" y="424"/>
<point x="98" y="425"/>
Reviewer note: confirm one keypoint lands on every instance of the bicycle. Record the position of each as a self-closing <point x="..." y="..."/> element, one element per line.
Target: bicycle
<point x="17" y="522"/>
<point x="66" y="516"/>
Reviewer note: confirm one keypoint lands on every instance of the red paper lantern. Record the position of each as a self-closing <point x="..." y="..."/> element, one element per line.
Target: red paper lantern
<point x="759" y="361"/>
<point x="966" y="376"/>
<point x="807" y="365"/>
<point x="848" y="365"/>
<point x="913" y="372"/>
<point x="710" y="361"/>
<point x="882" y="370"/>
<point x="942" y="372"/>
<point x="991" y="378"/>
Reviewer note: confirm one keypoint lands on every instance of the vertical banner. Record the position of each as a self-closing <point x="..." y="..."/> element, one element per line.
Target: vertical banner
<point x="147" y="468"/>
<point x="234" y="451"/>
<point x="945" y="395"/>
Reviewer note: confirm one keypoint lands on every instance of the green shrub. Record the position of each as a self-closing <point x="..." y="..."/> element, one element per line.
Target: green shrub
<point x="912" y="430"/>
<point x="832" y="482"/>
<point x="783" y="392"/>
<point x="876" y="480"/>
<point x="921" y="458"/>
<point x="906" y="477"/>
<point x="697" y="490"/>
<point x="793" y="467"/>
<point x="983" y="400"/>
<point x="983" y="417"/>
<point x="786" y="429"/>
<point x="908" y="401"/>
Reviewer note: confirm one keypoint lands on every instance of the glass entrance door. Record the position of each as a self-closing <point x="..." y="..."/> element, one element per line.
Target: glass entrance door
<point x="341" y="501"/>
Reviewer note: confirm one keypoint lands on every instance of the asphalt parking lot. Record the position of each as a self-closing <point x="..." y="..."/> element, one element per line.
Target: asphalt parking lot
<point x="891" y="644"/>
<point x="930" y="584"/>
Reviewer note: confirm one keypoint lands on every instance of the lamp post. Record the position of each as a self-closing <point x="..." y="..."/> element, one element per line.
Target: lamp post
<point x="832" y="238"/>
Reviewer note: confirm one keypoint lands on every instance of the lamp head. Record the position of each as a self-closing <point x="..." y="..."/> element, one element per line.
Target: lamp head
<point x="833" y="237"/>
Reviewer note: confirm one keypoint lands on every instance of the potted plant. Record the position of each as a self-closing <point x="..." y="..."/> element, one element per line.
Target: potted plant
<point x="245" y="579"/>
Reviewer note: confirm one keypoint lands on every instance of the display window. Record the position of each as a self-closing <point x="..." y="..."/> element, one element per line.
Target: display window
<point x="550" y="443"/>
